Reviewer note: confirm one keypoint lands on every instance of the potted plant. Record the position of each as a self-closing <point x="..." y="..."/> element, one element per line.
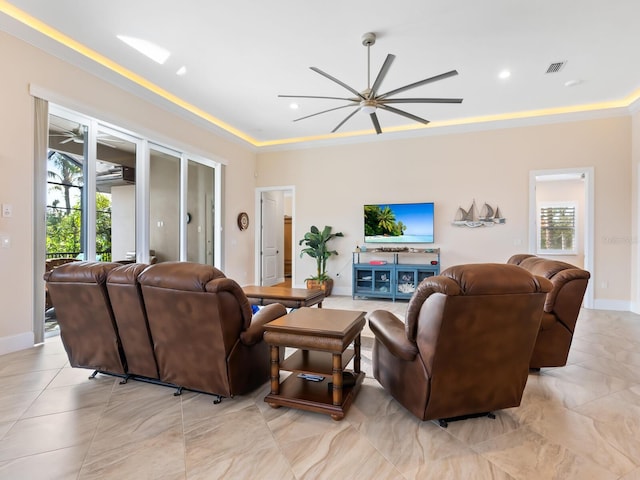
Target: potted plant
<point x="315" y="242"/>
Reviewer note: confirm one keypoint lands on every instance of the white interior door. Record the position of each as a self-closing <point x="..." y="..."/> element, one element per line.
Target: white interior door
<point x="269" y="238"/>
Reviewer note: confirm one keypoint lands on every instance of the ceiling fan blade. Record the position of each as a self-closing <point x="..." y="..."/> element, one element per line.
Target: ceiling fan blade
<point x="404" y="114"/>
<point x="345" y="120"/>
<point x="376" y="124"/>
<point x="66" y="141"/>
<point x="102" y="142"/>
<point x="342" y="84"/>
<point x="442" y="76"/>
<point x="383" y="72"/>
<point x="420" y="100"/>
<point x="324" y="111"/>
<point x="314" y="96"/>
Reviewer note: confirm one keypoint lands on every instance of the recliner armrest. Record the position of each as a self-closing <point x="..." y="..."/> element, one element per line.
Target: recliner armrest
<point x="390" y="331"/>
<point x="254" y="333"/>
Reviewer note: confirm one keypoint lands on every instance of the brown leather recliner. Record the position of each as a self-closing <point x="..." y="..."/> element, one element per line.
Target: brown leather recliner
<point x="205" y="336"/>
<point x="561" y="307"/>
<point x="465" y="345"/>
<point x="131" y="318"/>
<point x="87" y="327"/>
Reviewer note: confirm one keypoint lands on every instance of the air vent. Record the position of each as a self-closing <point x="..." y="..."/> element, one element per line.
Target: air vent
<point x="556" y="67"/>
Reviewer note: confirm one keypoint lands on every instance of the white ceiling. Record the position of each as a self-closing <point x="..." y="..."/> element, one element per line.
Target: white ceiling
<point x="241" y="54"/>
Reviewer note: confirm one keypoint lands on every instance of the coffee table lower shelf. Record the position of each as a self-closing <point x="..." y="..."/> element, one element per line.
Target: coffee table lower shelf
<point x="314" y="396"/>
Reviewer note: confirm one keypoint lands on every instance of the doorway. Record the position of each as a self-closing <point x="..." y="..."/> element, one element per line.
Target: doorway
<point x="575" y="187"/>
<point x="275" y="231"/>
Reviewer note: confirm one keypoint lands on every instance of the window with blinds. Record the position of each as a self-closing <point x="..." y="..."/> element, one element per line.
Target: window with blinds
<point x="557" y="228"/>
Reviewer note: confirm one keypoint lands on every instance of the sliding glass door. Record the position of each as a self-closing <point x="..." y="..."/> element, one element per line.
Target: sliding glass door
<point x="116" y="163"/>
<point x="201" y="213"/>
<point x="164" y="204"/>
<point x="115" y="196"/>
<point x="66" y="192"/>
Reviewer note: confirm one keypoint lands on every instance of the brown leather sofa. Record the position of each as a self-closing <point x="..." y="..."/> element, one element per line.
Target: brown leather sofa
<point x="465" y="345"/>
<point x="125" y="296"/>
<point x="177" y="323"/>
<point x="78" y="292"/>
<point x="205" y="337"/>
<point x="561" y="307"/>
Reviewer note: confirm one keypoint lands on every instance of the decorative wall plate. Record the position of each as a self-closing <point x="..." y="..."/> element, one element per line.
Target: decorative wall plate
<point x="243" y="221"/>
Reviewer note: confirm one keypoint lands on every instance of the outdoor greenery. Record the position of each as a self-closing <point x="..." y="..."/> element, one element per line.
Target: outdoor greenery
<point x="557" y="228"/>
<point x="381" y="221"/>
<point x="64" y="222"/>
<point x="315" y="242"/>
<point x="64" y="228"/>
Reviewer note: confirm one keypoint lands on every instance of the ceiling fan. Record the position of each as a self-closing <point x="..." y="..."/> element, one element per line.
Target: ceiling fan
<point x="369" y="100"/>
<point x="77" y="135"/>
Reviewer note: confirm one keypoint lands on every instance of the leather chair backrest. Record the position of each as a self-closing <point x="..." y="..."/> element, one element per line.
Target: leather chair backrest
<point x="471" y="279"/>
<point x="560" y="273"/>
<point x="131" y="317"/>
<point x="475" y="333"/>
<point x="87" y="327"/>
<point x="196" y="316"/>
<point x="569" y="285"/>
<point x="518" y="258"/>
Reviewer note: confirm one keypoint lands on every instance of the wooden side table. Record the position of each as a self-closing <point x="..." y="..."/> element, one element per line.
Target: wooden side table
<point x="289" y="297"/>
<point x="323" y="338"/>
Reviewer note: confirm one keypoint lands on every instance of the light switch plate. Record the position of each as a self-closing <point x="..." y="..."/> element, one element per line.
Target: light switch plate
<point x="7" y="209"/>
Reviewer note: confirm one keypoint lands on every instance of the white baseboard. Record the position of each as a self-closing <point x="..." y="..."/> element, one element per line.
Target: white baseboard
<point x="617" y="305"/>
<point x="16" y="342"/>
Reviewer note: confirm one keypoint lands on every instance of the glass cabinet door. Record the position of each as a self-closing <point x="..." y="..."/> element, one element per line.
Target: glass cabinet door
<point x="382" y="281"/>
<point x="364" y="281"/>
<point x="422" y="274"/>
<point x="406" y="281"/>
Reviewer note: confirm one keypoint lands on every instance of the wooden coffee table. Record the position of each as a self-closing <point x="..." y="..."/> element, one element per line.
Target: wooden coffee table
<point x="323" y="338"/>
<point x="289" y="297"/>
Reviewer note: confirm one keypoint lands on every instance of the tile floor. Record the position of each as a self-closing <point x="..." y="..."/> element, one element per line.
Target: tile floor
<point x="581" y="421"/>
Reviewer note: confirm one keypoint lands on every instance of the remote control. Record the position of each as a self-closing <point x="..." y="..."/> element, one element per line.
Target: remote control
<point x="313" y="378"/>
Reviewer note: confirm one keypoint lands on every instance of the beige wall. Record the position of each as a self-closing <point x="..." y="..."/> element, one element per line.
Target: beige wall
<point x="332" y="184"/>
<point x="22" y="66"/>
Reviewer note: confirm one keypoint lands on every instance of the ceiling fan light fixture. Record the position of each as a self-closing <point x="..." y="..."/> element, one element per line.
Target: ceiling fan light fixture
<point x="368" y="107"/>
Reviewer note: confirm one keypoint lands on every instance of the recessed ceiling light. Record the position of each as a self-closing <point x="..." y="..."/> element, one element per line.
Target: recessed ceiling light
<point x="148" y="49"/>
<point x="182" y="71"/>
<point x="293" y="106"/>
<point x="572" y="83"/>
<point x="504" y="74"/>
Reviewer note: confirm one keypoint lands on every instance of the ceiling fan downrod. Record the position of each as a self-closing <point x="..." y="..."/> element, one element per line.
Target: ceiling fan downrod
<point x="368" y="39"/>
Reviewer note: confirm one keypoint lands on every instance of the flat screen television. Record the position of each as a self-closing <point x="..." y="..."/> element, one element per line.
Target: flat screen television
<point x="398" y="223"/>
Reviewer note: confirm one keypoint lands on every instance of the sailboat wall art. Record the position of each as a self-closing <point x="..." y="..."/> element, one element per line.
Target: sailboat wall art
<point x="487" y="217"/>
